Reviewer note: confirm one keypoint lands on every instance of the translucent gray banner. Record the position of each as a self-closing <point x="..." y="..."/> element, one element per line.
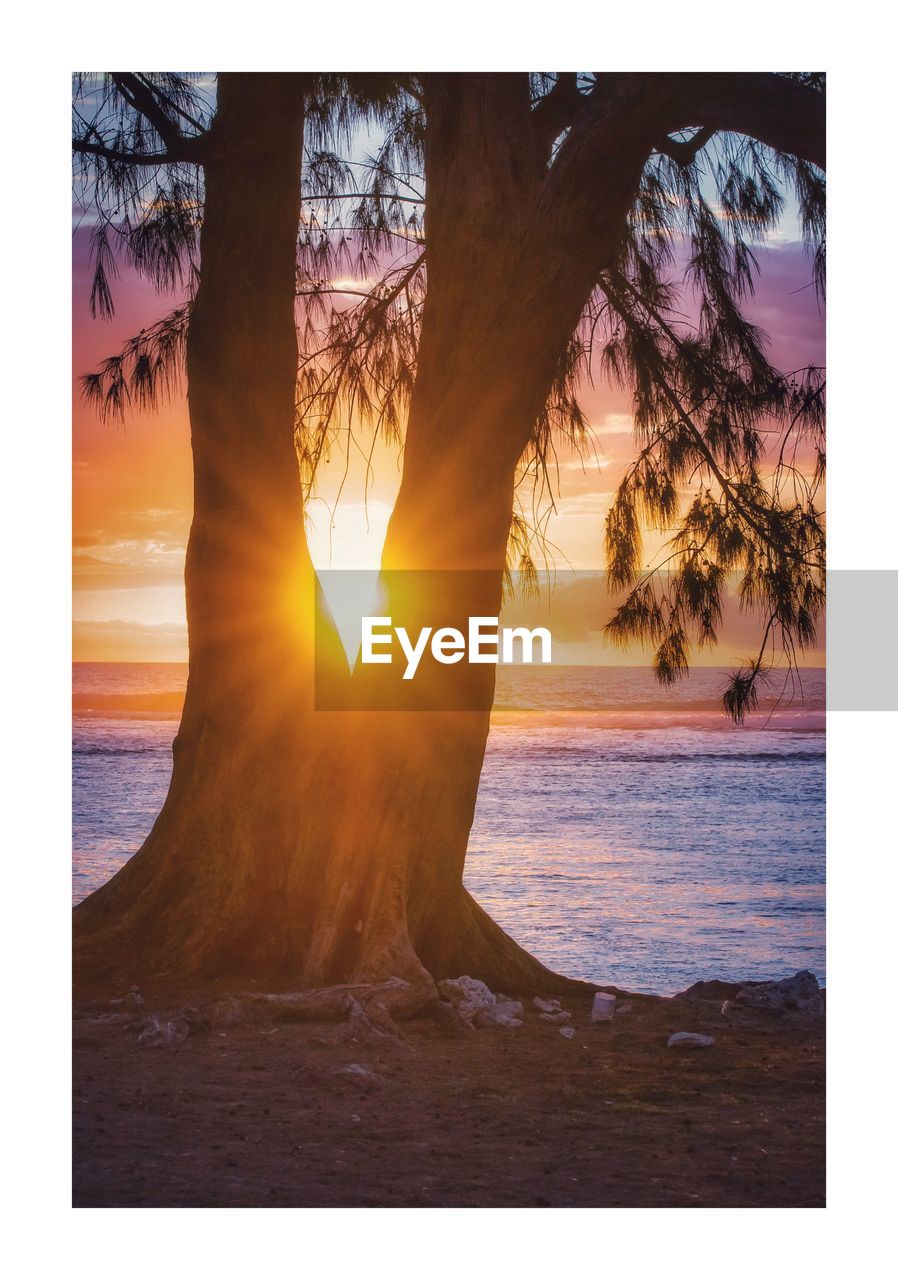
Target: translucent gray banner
<point x="575" y="607"/>
<point x="861" y="640"/>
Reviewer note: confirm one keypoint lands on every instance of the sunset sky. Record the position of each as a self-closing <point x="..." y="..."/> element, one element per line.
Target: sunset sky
<point x="132" y="484"/>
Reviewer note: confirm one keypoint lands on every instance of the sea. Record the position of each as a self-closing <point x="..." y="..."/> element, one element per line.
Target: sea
<point x="624" y="834"/>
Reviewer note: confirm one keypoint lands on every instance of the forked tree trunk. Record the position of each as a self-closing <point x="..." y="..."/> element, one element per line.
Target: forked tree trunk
<point x="315" y="848"/>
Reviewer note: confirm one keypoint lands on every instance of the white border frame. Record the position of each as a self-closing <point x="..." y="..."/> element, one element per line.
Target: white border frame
<point x="42" y="49"/>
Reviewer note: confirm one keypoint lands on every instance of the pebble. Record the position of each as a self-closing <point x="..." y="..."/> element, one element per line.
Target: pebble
<point x="689" y="1040"/>
<point x="507" y="1013"/>
<point x="358" y="1072"/>
<point x="157" y="1032"/>
<point x="546" y="1006"/>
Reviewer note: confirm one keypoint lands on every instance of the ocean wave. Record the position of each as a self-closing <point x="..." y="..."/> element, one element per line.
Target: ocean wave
<point x="806" y="721"/>
<point x="169" y="701"/>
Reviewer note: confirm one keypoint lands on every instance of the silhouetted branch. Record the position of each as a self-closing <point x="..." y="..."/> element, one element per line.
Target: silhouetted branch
<point x="141" y="97"/>
<point x="145" y="372"/>
<point x="684" y="153"/>
<point x="781" y="112"/>
<point x="82" y="147"/>
<point x="148" y="102"/>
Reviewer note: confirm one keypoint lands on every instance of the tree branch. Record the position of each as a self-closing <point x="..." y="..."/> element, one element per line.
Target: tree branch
<point x="173" y="106"/>
<point x="82" y="147"/>
<point x="141" y="97"/>
<point x="785" y="114"/>
<point x="588" y="191"/>
<point x="685" y="152"/>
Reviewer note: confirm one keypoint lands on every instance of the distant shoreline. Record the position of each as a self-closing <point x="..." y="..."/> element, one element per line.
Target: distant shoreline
<point x="600" y="697"/>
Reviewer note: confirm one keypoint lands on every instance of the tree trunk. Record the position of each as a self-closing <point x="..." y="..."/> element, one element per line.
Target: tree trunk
<point x="206" y="890"/>
<point x="488" y="355"/>
<point x="415" y="794"/>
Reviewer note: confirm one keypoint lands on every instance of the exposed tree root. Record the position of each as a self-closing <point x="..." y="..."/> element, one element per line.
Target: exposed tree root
<point x="470" y="942"/>
<point x="372" y="1008"/>
<point x="376" y="1005"/>
<point x="474" y="945"/>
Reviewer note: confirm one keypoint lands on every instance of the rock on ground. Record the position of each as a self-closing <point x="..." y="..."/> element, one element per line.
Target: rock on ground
<point x="466" y="995"/>
<point x="546" y="1006"/>
<point x="689" y="1040"/>
<point x="504" y="1013"/>
<point x="799" y="994"/>
<point x="713" y="990"/>
<point x="157" y="1032"/>
<point x="477" y="1006"/>
<point x="358" y="1073"/>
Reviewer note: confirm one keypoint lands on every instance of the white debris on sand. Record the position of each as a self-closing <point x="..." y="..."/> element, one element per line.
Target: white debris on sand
<point x="567" y="1032"/>
<point x="505" y="1013"/>
<point x="546" y="1006"/>
<point x="467" y="996"/>
<point x="689" y="1040"/>
<point x="603" y="1007"/>
<point x="358" y="1073"/>
<point x="156" y="1032"/>
<point x="477" y="1006"/>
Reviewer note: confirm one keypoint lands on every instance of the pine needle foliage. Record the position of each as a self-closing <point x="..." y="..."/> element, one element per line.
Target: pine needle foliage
<point x="731" y="449"/>
<point x="138" y="185"/>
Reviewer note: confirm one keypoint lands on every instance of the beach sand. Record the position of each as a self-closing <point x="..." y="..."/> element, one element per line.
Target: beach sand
<point x="325" y="1115"/>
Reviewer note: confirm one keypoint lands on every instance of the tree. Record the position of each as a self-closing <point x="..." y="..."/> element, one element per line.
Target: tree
<point x="246" y="541"/>
<point x="328" y="850"/>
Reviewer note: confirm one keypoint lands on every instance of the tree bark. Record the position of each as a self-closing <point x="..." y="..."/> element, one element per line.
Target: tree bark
<point x="487" y="359"/>
<point x="206" y="889"/>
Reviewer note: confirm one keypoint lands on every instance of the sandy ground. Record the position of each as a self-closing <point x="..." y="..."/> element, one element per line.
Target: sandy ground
<point x="324" y="1115"/>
